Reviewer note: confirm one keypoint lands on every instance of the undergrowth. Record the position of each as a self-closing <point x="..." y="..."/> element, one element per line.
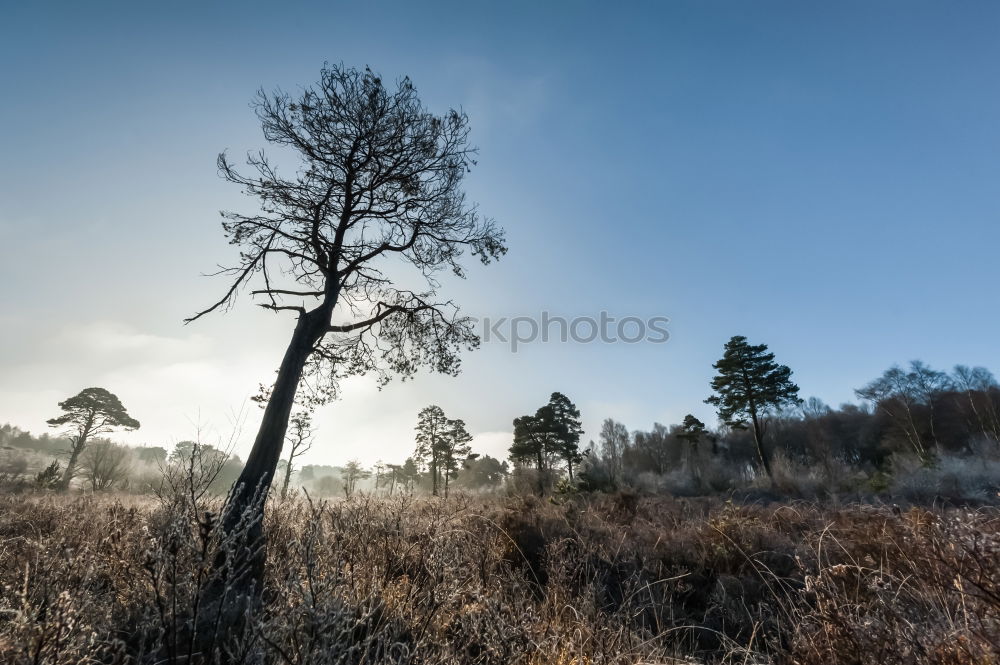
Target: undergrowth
<point x="604" y="579"/>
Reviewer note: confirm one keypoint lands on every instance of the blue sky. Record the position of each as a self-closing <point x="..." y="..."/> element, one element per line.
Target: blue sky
<point x="820" y="177"/>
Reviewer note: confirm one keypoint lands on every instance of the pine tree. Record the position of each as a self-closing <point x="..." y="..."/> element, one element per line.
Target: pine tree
<point x="692" y="430"/>
<point x="93" y="411"/>
<point x="565" y="430"/>
<point x="410" y="473"/>
<point x="351" y="474"/>
<point x="432" y="427"/>
<point x="552" y="433"/>
<point x="454" y="450"/>
<point x="530" y="439"/>
<point x="751" y="385"/>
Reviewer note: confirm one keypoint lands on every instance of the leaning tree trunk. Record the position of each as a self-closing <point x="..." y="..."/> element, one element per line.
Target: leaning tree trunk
<point x="287" y="480"/>
<point x="245" y="501"/>
<point x="74" y="456"/>
<point x="239" y="566"/>
<point x="758" y="439"/>
<point x="70" y="471"/>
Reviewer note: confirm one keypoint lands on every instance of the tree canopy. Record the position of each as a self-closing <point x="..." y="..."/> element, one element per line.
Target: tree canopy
<point x="750" y="384"/>
<point x="432" y="428"/>
<point x="378" y="188"/>
<point x="380" y="177"/>
<point x="552" y="433"/>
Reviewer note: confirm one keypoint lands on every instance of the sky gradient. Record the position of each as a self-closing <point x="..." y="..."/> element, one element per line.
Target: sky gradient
<point x="820" y="177"/>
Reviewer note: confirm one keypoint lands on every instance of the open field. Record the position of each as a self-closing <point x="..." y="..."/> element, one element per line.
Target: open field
<point x="605" y="579"/>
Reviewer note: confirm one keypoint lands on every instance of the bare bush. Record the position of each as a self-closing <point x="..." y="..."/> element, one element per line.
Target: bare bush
<point x="951" y="479"/>
<point x="105" y="465"/>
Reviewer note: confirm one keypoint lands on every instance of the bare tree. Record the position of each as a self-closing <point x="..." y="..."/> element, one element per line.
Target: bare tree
<point x="300" y="440"/>
<point x="105" y="464"/>
<point x="195" y="469"/>
<point x="907" y="397"/>
<point x="614" y="440"/>
<point x="654" y="448"/>
<point x="927" y="384"/>
<point x="977" y="384"/>
<point x="380" y="177"/>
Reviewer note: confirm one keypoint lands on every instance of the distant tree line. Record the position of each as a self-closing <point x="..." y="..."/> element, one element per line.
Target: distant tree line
<point x="912" y="412"/>
<point x="442" y="460"/>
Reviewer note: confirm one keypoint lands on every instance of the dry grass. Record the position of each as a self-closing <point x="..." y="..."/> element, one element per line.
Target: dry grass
<point x="611" y="579"/>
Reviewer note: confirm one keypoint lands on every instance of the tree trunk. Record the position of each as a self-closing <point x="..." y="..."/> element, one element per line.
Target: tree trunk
<point x="694" y="459"/>
<point x="70" y="466"/>
<point x="257" y="475"/>
<point x="758" y="439"/>
<point x="242" y="517"/>
<point x="238" y="569"/>
<point x="288" y="478"/>
<point x="541" y="474"/>
<point x="915" y="439"/>
<point x="74" y="456"/>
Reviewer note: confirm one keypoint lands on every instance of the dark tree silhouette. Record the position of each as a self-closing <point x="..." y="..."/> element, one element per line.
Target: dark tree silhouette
<point x="530" y="440"/>
<point x="105" y="464"/>
<point x="380" y="177"/>
<point x="565" y="429"/>
<point x="692" y="431"/>
<point x="751" y="385"/>
<point x="531" y="443"/>
<point x="455" y="450"/>
<point x="482" y="472"/>
<point x="614" y="440"/>
<point x="976" y="384"/>
<point x="553" y="431"/>
<point x="907" y="397"/>
<point x="49" y="477"/>
<point x="92" y="412"/>
<point x="432" y="430"/>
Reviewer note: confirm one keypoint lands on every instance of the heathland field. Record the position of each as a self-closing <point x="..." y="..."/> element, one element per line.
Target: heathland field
<point x="728" y="279"/>
<point x="617" y="578"/>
